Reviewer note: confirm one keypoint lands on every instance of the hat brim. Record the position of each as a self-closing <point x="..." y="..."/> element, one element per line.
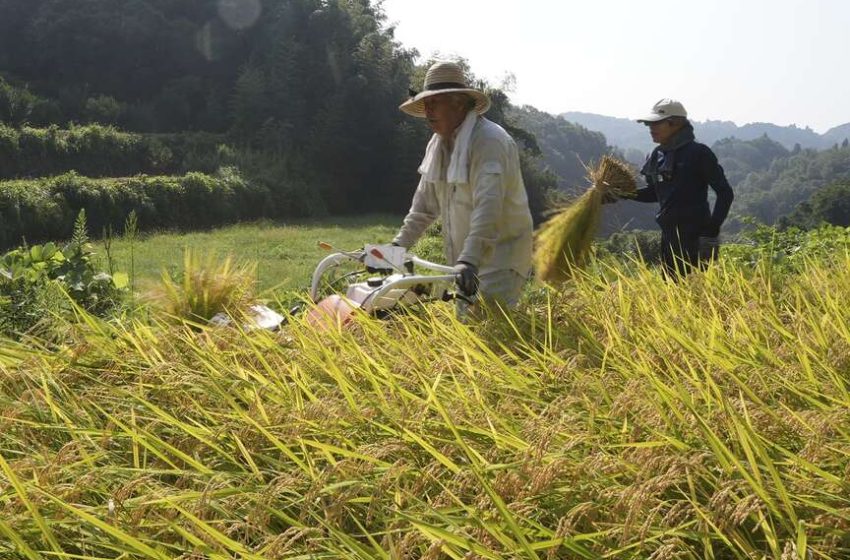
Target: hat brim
<point x="415" y="106"/>
<point x="654" y="118"/>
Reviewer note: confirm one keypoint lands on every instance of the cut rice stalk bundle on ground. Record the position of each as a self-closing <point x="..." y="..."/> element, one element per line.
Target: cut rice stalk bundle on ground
<point x="564" y="242"/>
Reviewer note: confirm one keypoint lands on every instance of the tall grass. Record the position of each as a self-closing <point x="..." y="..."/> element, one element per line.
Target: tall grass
<point x="623" y="417"/>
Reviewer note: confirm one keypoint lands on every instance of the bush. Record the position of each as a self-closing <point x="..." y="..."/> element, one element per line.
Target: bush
<point x="96" y="150"/>
<point x="92" y="150"/>
<point x="196" y="151"/>
<point x="103" y="109"/>
<point x="291" y="194"/>
<point x="18" y="105"/>
<point x="44" y="209"/>
<point x="789" y="250"/>
<point x="34" y="281"/>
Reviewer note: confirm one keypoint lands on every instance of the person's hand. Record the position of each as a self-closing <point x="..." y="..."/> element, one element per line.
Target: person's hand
<point x="467" y="278"/>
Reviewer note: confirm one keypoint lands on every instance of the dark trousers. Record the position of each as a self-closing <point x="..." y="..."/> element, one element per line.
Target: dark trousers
<point x="680" y="252"/>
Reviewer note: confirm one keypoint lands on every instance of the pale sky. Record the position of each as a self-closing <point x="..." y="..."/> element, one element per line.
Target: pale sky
<point x="780" y="61"/>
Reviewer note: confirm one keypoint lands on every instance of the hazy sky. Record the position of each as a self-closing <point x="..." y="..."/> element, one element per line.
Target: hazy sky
<point x="779" y="61"/>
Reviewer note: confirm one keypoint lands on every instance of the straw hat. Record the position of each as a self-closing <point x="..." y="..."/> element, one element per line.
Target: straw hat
<point x="444" y="77"/>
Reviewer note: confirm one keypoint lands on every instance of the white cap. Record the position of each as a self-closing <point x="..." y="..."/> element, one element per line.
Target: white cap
<point x="665" y="109"/>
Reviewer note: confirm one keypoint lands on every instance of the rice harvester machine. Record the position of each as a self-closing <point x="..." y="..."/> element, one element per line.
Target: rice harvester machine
<point x="376" y="280"/>
<point x="388" y="278"/>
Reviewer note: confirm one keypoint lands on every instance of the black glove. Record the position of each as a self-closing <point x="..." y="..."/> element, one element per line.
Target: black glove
<point x="467" y="278"/>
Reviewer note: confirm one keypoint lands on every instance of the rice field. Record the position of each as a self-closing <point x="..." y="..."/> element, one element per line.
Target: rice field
<point x="619" y="417"/>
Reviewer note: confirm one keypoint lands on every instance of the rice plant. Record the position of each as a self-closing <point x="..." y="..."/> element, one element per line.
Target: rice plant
<point x="564" y="242"/>
<point x="206" y="285"/>
<point x="621" y="417"/>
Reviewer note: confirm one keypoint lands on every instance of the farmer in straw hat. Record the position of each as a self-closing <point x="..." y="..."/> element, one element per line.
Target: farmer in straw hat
<point x="470" y="179"/>
<point x="678" y="173"/>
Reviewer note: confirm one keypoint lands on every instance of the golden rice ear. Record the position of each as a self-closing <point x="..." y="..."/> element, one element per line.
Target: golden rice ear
<point x="564" y="243"/>
<point x="614" y="176"/>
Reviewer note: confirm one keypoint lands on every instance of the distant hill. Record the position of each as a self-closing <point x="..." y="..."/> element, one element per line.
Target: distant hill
<point x="837" y="135"/>
<point x="631" y="136"/>
<point x="566" y="147"/>
<point x="623" y="133"/>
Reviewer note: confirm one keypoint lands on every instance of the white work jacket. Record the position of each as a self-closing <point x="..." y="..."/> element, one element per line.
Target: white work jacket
<point x="486" y="221"/>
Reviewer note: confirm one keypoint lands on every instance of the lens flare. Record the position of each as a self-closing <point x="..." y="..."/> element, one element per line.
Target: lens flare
<point x="204" y="41"/>
<point x="239" y="14"/>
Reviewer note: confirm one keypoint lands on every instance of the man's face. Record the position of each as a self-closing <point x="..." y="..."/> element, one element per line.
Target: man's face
<point x="662" y="131"/>
<point x="445" y="112"/>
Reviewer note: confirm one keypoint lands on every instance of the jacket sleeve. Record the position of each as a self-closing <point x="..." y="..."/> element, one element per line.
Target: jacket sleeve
<point x="716" y="179"/>
<point x="423" y="211"/>
<point x="646" y="194"/>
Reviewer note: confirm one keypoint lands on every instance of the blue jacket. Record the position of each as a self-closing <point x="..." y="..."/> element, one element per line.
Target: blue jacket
<point x="682" y="193"/>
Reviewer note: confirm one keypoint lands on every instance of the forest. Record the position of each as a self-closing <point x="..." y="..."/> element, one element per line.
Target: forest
<point x="297" y="97"/>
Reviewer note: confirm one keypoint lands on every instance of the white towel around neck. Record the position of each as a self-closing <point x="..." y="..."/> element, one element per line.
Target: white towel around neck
<point x="458" y="171"/>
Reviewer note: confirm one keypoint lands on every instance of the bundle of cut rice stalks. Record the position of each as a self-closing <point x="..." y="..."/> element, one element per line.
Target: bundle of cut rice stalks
<point x="564" y="242"/>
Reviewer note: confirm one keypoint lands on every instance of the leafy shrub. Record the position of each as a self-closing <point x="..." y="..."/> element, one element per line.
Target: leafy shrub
<point x="19" y="105"/>
<point x="791" y="249"/>
<point x="291" y="194"/>
<point x="103" y="109"/>
<point x="34" y="280"/>
<point x="196" y="151"/>
<point x="93" y="150"/>
<point x="97" y="150"/>
<point x="45" y="209"/>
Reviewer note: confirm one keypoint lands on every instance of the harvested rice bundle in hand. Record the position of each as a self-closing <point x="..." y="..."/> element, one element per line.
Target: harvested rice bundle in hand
<point x="565" y="240"/>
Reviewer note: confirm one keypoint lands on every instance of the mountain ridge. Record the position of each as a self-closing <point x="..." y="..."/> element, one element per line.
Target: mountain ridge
<point x="630" y="135"/>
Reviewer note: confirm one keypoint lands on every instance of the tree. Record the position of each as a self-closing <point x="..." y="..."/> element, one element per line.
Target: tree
<point x="739" y="158"/>
<point x="308" y="92"/>
<point x="777" y="191"/>
<point x="830" y="205"/>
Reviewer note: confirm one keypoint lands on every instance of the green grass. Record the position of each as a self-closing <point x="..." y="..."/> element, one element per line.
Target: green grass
<point x="285" y="254"/>
<point x="621" y="417"/>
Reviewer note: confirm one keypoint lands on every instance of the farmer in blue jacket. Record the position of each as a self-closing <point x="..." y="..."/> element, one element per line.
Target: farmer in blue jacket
<point x="678" y="173"/>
